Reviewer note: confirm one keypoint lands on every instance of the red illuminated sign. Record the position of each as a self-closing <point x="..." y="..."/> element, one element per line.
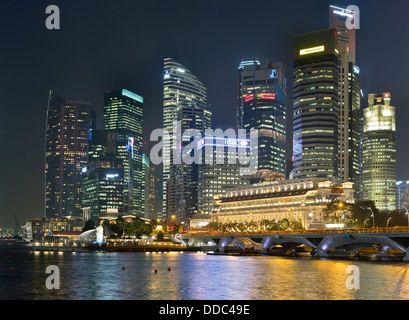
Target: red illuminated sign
<point x="249" y="98"/>
<point x="267" y="96"/>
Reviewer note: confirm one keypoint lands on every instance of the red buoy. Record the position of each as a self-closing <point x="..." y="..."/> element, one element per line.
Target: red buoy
<point x="156" y="271"/>
<point x="169" y="269"/>
<point x="123" y="268"/>
<point x="12" y="268"/>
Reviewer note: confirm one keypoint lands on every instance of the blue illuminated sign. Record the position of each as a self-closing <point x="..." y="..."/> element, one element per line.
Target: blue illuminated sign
<point x="273" y="74"/>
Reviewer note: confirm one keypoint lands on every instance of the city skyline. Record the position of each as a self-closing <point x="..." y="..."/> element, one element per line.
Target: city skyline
<point x="28" y="182"/>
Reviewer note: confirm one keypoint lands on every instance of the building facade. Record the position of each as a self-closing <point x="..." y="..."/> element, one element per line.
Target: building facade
<point x="222" y="173"/>
<point x="184" y="107"/>
<point x="182" y="189"/>
<point x="262" y="103"/>
<point x="302" y="201"/>
<point x="103" y="189"/>
<point x="316" y="105"/>
<point x="349" y="97"/>
<point x="123" y="125"/>
<point x="379" y="152"/>
<point x="67" y="129"/>
<point x="402" y="195"/>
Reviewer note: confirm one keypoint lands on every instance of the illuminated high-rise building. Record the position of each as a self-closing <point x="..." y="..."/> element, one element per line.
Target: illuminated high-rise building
<point x="379" y="152"/>
<point x="316" y="105"/>
<point x="182" y="201"/>
<point x="66" y="153"/>
<point x="349" y="96"/>
<point x="123" y="124"/>
<point x="103" y="189"/>
<point x="222" y="173"/>
<point x="184" y="100"/>
<point x="262" y="103"/>
<point x="402" y="195"/>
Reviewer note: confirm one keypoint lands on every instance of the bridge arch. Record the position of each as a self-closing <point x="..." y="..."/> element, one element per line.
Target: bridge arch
<point x="353" y="242"/>
<point x="272" y="241"/>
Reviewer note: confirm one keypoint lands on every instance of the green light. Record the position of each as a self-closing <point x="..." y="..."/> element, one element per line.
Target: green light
<point x="132" y="95"/>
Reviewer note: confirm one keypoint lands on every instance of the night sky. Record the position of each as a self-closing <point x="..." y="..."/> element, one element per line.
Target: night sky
<point x="110" y="45"/>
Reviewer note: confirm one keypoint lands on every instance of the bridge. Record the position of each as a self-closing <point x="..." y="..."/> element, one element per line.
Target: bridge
<point x="322" y="243"/>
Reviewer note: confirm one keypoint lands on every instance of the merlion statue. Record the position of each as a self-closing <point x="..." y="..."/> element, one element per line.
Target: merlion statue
<point x="100" y="233"/>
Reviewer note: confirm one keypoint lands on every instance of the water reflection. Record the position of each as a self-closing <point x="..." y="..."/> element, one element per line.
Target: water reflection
<point x="195" y="276"/>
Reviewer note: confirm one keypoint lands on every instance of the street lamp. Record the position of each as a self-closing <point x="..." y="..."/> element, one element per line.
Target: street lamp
<point x="387" y="223"/>
<point x="373" y="217"/>
<point x="340" y="206"/>
<point x="406" y="212"/>
<point x="365" y="222"/>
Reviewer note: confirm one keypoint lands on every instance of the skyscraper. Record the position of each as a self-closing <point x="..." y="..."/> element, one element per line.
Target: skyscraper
<point x="103" y="189"/>
<point x="379" y="152"/>
<point x="349" y="96"/>
<point x="214" y="178"/>
<point x="184" y="100"/>
<point x="123" y="115"/>
<point x="316" y="105"/>
<point x="262" y="103"/>
<point x="66" y="153"/>
<point x="402" y="194"/>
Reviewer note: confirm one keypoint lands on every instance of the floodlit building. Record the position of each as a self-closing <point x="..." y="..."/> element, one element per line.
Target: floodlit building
<point x="301" y="200"/>
<point x="379" y="152"/>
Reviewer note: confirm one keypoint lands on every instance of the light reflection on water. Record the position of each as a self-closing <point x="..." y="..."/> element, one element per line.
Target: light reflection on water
<point x="195" y="276"/>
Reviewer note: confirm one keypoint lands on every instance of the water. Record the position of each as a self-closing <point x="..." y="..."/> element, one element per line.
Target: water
<point x="194" y="276"/>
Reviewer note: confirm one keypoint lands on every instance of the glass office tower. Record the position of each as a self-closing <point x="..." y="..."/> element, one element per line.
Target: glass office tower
<point x="379" y="152"/>
<point x="316" y="105"/>
<point x="262" y="106"/>
<point x="349" y="97"/>
<point x="402" y="189"/>
<point x="218" y="176"/>
<point x="66" y="153"/>
<point x="103" y="189"/>
<point x="123" y="121"/>
<point x="184" y="100"/>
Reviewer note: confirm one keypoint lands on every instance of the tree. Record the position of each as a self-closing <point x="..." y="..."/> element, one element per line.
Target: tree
<point x="285" y="224"/>
<point x="160" y="235"/>
<point x="89" y="225"/>
<point x="296" y="225"/>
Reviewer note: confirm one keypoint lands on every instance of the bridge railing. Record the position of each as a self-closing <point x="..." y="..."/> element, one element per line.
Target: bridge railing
<point x="376" y="230"/>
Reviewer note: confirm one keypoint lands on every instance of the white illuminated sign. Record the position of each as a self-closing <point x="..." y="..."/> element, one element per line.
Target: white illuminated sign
<point x="312" y="50"/>
<point x="344" y="13"/>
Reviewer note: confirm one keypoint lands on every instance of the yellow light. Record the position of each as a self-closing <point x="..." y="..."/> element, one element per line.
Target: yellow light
<point x="312" y="50"/>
